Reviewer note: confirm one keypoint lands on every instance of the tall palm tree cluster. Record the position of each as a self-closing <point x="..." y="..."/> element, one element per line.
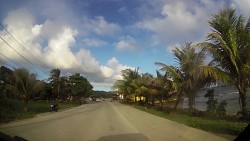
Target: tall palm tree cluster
<point x="23" y="85"/>
<point x="224" y="57"/>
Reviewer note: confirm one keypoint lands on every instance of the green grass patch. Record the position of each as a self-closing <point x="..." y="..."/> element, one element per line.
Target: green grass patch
<point x="218" y="126"/>
<point x="13" y="109"/>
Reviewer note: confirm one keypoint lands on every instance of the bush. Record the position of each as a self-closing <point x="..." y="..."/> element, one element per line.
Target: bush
<point x="213" y="108"/>
<point x="11" y="109"/>
<point x="211" y="103"/>
<point x="221" y="110"/>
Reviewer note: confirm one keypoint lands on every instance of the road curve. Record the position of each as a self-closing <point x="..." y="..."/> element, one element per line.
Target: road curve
<point x="104" y="121"/>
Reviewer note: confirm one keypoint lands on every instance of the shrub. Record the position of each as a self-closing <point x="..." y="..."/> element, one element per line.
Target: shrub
<point x="221" y="110"/>
<point x="211" y="103"/>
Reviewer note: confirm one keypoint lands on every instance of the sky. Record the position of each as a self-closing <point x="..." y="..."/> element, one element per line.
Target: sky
<point x="100" y="38"/>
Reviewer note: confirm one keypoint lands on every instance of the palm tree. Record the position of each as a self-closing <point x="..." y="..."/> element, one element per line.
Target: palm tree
<point x="229" y="45"/>
<point x="56" y="81"/>
<point x="125" y="86"/>
<point x="143" y="87"/>
<point x="26" y="83"/>
<point x="164" y="85"/>
<point x="188" y="77"/>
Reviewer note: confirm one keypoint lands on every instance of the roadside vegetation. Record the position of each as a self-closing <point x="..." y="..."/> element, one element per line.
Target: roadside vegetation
<point x="230" y="125"/>
<point x="23" y="95"/>
<point x="12" y="109"/>
<point x="224" y="58"/>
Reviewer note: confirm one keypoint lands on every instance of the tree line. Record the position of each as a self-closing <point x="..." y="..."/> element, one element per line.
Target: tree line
<point x="223" y="58"/>
<point x="23" y="85"/>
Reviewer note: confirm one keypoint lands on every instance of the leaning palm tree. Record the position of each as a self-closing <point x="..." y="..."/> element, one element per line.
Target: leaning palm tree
<point x="229" y="45"/>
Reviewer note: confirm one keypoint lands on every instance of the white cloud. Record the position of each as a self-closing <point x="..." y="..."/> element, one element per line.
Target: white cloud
<point x="128" y="43"/>
<point x="100" y="26"/>
<point x="107" y="72"/>
<point x="58" y="51"/>
<point x="88" y="64"/>
<point x="112" y="72"/>
<point x="53" y="43"/>
<point x="94" y="42"/>
<point x="242" y="6"/>
<point x="180" y="21"/>
<point x="50" y="29"/>
<point x="36" y="29"/>
<point x="21" y="22"/>
<point x="114" y="64"/>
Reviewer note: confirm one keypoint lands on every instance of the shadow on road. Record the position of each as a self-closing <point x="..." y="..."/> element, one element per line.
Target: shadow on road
<point x="124" y="137"/>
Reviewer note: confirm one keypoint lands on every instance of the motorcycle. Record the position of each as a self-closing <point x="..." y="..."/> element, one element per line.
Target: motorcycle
<point x="53" y="107"/>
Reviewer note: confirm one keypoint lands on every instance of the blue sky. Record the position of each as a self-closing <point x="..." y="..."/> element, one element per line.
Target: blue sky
<point x="99" y="38"/>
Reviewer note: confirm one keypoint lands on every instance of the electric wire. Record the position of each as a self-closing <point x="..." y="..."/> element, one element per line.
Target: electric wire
<point x="23" y="56"/>
<point x="21" y="44"/>
<point x="17" y="65"/>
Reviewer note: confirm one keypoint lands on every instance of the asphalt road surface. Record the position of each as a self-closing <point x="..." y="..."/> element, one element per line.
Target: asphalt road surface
<point x="104" y="121"/>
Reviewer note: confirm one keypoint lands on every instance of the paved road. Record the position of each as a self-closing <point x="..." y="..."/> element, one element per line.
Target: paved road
<point x="104" y="121"/>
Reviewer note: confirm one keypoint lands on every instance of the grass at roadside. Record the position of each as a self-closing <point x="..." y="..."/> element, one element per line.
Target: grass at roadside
<point x="12" y="110"/>
<point x="218" y="126"/>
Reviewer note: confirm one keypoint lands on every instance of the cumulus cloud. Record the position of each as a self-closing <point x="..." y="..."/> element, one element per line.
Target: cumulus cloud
<point x="88" y="64"/>
<point x="36" y="29"/>
<point x="112" y="72"/>
<point x="114" y="64"/>
<point x="20" y="21"/>
<point x="180" y="21"/>
<point x="128" y="43"/>
<point x="58" y="51"/>
<point x="53" y="42"/>
<point x="107" y="72"/>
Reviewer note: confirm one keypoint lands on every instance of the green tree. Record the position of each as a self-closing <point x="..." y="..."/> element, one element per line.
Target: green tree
<point x="26" y="84"/>
<point x="165" y="86"/>
<point x="79" y="85"/>
<point x="221" y="109"/>
<point x="143" y="86"/>
<point x="7" y="78"/>
<point x="56" y="82"/>
<point x="211" y="103"/>
<point x="229" y="45"/>
<point x="125" y="86"/>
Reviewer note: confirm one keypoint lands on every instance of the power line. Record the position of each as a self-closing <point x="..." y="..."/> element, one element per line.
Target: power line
<point x="22" y="45"/>
<point x="6" y="64"/>
<point x="7" y="58"/>
<point x="42" y="76"/>
<point x="22" y="55"/>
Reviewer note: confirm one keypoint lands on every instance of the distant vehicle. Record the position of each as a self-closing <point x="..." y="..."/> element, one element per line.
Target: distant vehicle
<point x="98" y="100"/>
